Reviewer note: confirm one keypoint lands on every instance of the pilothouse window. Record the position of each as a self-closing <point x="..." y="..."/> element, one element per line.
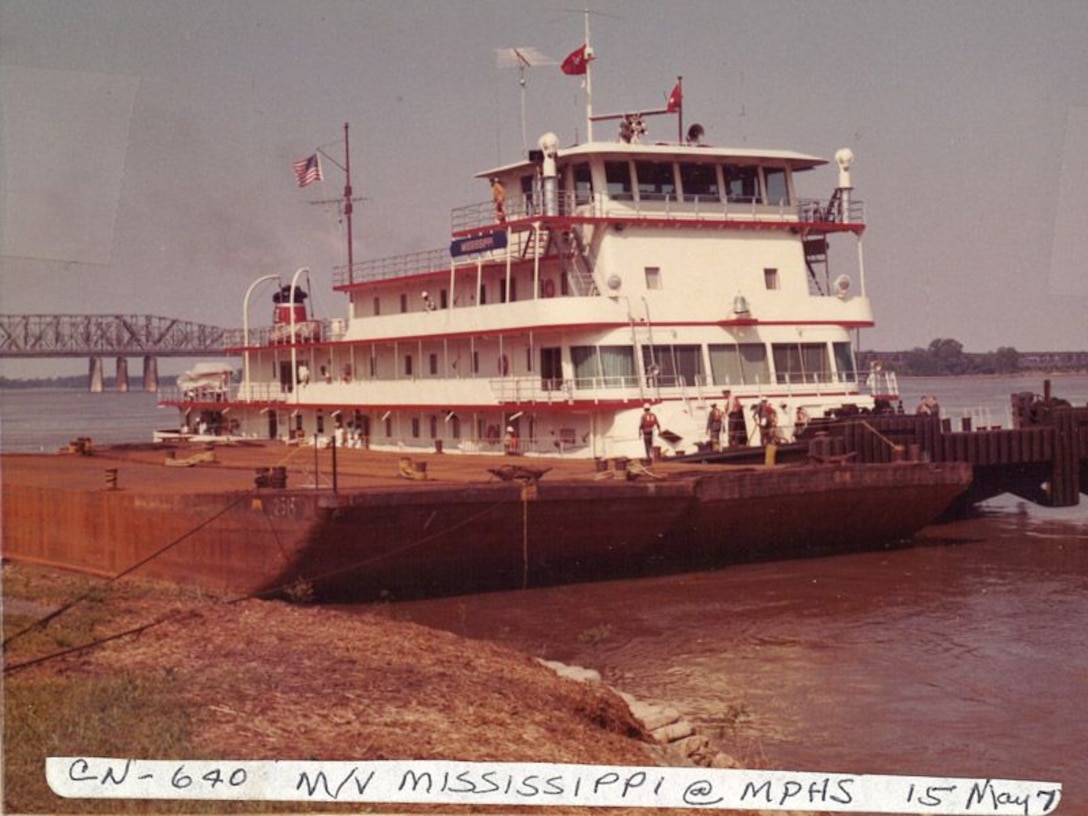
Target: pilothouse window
<point x="742" y="183"/>
<point x="655" y="181"/>
<point x="699" y="182"/>
<point x="778" y="193"/>
<point x="618" y="177"/>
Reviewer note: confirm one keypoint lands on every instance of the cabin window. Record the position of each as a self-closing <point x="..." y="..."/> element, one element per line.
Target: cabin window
<point x="407" y="365"/>
<point x="770" y="278"/>
<point x="583" y="184"/>
<point x="743" y="364"/>
<point x="653" y="277"/>
<point x="674" y="365"/>
<point x="403" y="303"/>
<point x="388" y="427"/>
<point x="432" y="363"/>
<point x="778" y="194"/>
<point x="655" y="181"/>
<point x="455" y="425"/>
<point x="443" y="299"/>
<point x="434" y="427"/>
<point x="564" y="283"/>
<point x="742" y="183"/>
<point x="320" y="419"/>
<point x="603" y="366"/>
<point x="377" y="306"/>
<point x="617" y="176"/>
<point x="551" y="368"/>
<point x="483" y="293"/>
<point x="844" y="362"/>
<point x="475" y="362"/>
<point x="415" y="427"/>
<point x="527" y="192"/>
<point x="529" y="359"/>
<point x="699" y="182"/>
<point x="801" y="362"/>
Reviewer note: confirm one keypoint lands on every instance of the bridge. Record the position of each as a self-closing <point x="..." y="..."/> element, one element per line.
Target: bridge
<point x="120" y="336"/>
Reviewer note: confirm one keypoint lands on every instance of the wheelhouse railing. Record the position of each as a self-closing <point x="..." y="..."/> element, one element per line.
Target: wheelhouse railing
<point x="481" y="215"/>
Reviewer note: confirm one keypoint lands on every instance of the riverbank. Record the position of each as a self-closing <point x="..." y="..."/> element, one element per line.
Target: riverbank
<point x="193" y="676"/>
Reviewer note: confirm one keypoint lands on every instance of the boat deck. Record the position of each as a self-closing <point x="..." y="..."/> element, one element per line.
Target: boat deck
<point x="142" y="468"/>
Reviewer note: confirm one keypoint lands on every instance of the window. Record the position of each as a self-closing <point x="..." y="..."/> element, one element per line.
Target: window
<point x="403" y="303"/>
<point x="527" y="192"/>
<point x="778" y="193"/>
<point x="583" y="184"/>
<point x="432" y="361"/>
<point x="415" y="427"/>
<point x="743" y="364"/>
<point x="742" y="183"/>
<point x="699" y="182"/>
<point x="475" y="362"/>
<point x="653" y="277"/>
<point x="655" y="181"/>
<point x="388" y="427"/>
<point x="434" y="427"/>
<point x="455" y="426"/>
<point x="603" y="366"/>
<point x="674" y="365"/>
<point x="483" y="293"/>
<point x="408" y="365"/>
<point x="443" y="299"/>
<point x="844" y="362"/>
<point x="377" y="306"/>
<point x="618" y="178"/>
<point x="770" y="278"/>
<point x="801" y="362"/>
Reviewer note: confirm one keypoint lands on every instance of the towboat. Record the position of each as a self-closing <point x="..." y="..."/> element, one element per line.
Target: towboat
<point x="597" y="284"/>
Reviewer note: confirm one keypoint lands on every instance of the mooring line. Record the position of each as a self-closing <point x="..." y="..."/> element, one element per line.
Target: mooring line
<point x="41" y="622"/>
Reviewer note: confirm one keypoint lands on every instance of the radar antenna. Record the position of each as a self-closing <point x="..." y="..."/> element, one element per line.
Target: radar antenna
<point x="522" y="57"/>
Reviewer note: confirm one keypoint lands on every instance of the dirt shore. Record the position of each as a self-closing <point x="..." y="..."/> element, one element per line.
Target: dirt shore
<point x="267" y="680"/>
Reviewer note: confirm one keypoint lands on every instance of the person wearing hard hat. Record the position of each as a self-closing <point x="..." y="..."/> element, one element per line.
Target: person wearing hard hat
<point x="510" y="441"/>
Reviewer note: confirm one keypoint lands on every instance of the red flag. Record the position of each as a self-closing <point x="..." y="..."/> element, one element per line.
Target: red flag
<point x="308" y="170"/>
<point x="577" y="61"/>
<point x="676" y="99"/>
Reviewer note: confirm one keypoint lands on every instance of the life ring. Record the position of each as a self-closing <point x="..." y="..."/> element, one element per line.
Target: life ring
<point x="492" y="433"/>
<point x="503" y="365"/>
<point x="549" y="288"/>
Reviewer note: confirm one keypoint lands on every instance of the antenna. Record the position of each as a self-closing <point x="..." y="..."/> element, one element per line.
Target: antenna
<point x="522" y="57"/>
<point x="346" y="201"/>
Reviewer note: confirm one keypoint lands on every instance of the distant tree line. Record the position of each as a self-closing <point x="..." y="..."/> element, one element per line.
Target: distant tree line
<point x="946" y="357"/>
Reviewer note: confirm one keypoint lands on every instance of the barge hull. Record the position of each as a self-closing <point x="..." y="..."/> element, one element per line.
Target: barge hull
<point x="430" y="539"/>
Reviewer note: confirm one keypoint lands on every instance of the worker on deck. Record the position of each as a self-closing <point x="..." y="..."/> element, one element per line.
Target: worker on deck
<point x="646" y="425"/>
<point x="714" y="419"/>
<point x="498" y="195"/>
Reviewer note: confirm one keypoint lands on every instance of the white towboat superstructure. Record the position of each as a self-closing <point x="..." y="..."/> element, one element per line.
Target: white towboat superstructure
<point x="597" y="279"/>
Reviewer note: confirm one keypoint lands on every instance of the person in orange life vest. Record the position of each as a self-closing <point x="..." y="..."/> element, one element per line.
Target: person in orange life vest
<point x="647" y="423"/>
<point x="714" y="427"/>
<point x="510" y="441"/>
<point x="498" y="195"/>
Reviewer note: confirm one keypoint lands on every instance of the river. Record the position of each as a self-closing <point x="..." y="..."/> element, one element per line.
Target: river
<point x="962" y="654"/>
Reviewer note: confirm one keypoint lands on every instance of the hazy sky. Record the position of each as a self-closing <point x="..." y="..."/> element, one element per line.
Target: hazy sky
<point x="147" y="145"/>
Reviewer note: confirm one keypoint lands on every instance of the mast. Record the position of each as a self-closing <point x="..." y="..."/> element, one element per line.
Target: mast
<point x="348" y="207"/>
<point x="589" y="83"/>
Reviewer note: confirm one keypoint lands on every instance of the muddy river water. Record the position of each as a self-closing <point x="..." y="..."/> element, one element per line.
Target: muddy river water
<point x="965" y="654"/>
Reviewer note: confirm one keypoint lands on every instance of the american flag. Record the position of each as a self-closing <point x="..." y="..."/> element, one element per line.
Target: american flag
<point x="308" y="170"/>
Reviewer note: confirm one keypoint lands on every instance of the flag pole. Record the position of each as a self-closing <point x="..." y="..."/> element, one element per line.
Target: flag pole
<point x="680" y="111"/>
<point x="589" y="84"/>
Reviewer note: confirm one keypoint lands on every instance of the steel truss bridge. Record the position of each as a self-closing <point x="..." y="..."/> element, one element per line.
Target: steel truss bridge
<point x="121" y="336"/>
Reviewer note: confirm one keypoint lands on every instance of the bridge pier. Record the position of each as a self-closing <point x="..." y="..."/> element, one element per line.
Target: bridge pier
<point x="151" y="374"/>
<point x="122" y="375"/>
<point x="94" y="375"/>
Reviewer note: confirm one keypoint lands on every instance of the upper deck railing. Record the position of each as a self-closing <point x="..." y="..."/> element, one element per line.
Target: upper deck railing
<point x="521" y="212"/>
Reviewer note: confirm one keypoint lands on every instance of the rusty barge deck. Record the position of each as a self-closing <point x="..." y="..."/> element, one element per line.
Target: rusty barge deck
<point x="387" y="531"/>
